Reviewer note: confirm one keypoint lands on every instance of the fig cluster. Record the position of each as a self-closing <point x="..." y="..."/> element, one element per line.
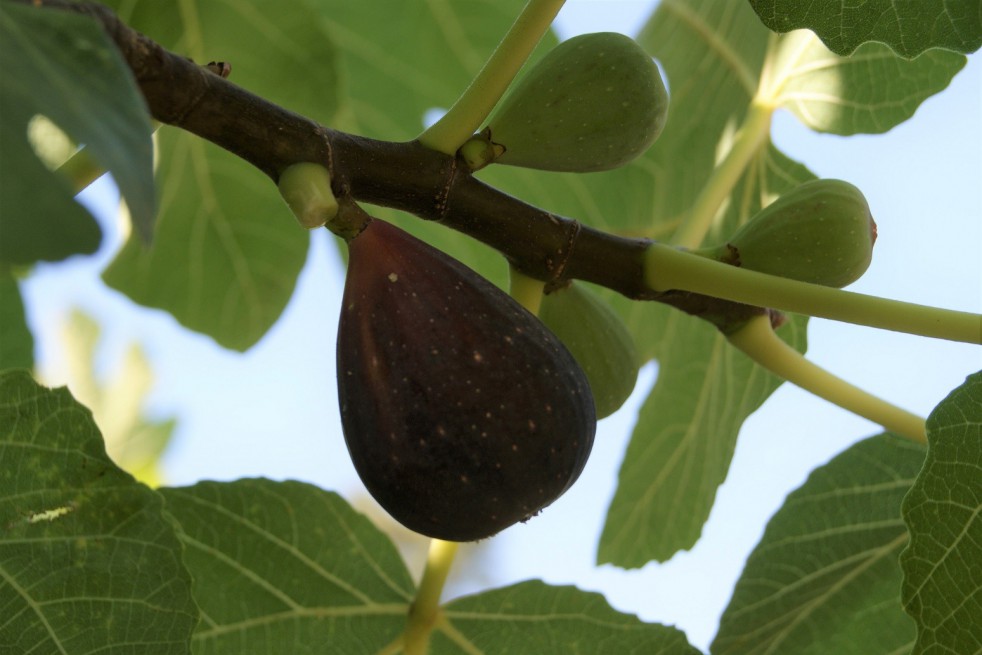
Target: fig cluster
<point x="462" y="412"/>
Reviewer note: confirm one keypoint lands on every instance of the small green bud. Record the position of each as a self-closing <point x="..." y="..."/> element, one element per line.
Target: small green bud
<point x="478" y="151"/>
<point x="306" y="188"/>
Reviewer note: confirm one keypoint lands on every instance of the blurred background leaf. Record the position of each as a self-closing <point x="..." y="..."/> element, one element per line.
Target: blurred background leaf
<point x="117" y="400"/>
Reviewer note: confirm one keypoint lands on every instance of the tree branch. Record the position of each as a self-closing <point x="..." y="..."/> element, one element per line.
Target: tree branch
<point x="405" y="176"/>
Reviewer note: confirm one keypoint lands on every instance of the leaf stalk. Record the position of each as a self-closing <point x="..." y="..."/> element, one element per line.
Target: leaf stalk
<point x="474" y="105"/>
<point x="668" y="268"/>
<point x="756" y="338"/>
<point x="424" y="612"/>
<point x="750" y="138"/>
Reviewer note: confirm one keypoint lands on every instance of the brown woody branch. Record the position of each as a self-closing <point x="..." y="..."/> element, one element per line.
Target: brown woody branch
<point x="404" y="176"/>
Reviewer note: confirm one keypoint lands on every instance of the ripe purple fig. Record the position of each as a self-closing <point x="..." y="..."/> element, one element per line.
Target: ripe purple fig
<point x="462" y="412"/>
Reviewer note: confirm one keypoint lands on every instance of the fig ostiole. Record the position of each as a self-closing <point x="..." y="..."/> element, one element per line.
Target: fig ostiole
<point x="599" y="341"/>
<point x="463" y="414"/>
<point x="593" y="103"/>
<point x="821" y="232"/>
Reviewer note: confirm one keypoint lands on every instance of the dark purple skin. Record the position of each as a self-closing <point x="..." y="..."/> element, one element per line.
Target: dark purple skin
<point x="462" y="412"/>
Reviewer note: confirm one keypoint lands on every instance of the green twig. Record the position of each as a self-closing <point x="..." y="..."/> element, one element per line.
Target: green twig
<point x="668" y="268"/>
<point x="751" y="137"/>
<point x="82" y="170"/>
<point x="484" y="91"/>
<point x="424" y="612"/>
<point x="757" y="339"/>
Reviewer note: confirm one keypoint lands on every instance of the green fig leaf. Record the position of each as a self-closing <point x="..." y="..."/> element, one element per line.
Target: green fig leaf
<point x="824" y="577"/>
<point x="834" y="94"/>
<point x="308" y="570"/>
<point x="909" y="28"/>
<point x="16" y="340"/>
<point x="226" y="254"/>
<point x="63" y="66"/>
<point x="89" y="561"/>
<point x="61" y="72"/>
<point x="943" y="511"/>
<point x="683" y="442"/>
<point x="532" y="617"/>
<point x="303" y="567"/>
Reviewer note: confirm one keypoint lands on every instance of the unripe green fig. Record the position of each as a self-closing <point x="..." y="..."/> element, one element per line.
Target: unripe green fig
<point x="820" y="232"/>
<point x="593" y="103"/>
<point x="462" y="412"/>
<point x="599" y="341"/>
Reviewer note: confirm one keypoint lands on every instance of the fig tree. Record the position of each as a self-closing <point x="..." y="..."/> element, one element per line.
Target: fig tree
<point x="462" y="412"/>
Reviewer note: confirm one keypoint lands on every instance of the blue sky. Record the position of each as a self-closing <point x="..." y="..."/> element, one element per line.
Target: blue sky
<point x="273" y="411"/>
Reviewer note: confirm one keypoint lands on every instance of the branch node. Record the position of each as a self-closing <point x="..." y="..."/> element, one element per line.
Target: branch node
<point x="572" y="234"/>
<point x="442" y="199"/>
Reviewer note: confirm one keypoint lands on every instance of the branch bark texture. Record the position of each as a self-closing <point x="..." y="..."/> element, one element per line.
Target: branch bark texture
<point x="406" y="176"/>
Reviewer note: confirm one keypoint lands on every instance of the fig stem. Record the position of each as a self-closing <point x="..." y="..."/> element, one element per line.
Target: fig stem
<point x="424" y="611"/>
<point x="474" y="105"/>
<point x="526" y="290"/>
<point x="667" y="268"/>
<point x="756" y="338"/>
<point x="747" y="143"/>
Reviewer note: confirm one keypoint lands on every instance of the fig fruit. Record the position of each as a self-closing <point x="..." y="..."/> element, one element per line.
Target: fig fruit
<point x="593" y="103"/>
<point x="820" y="232"/>
<point x="599" y="341"/>
<point x="462" y="412"/>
